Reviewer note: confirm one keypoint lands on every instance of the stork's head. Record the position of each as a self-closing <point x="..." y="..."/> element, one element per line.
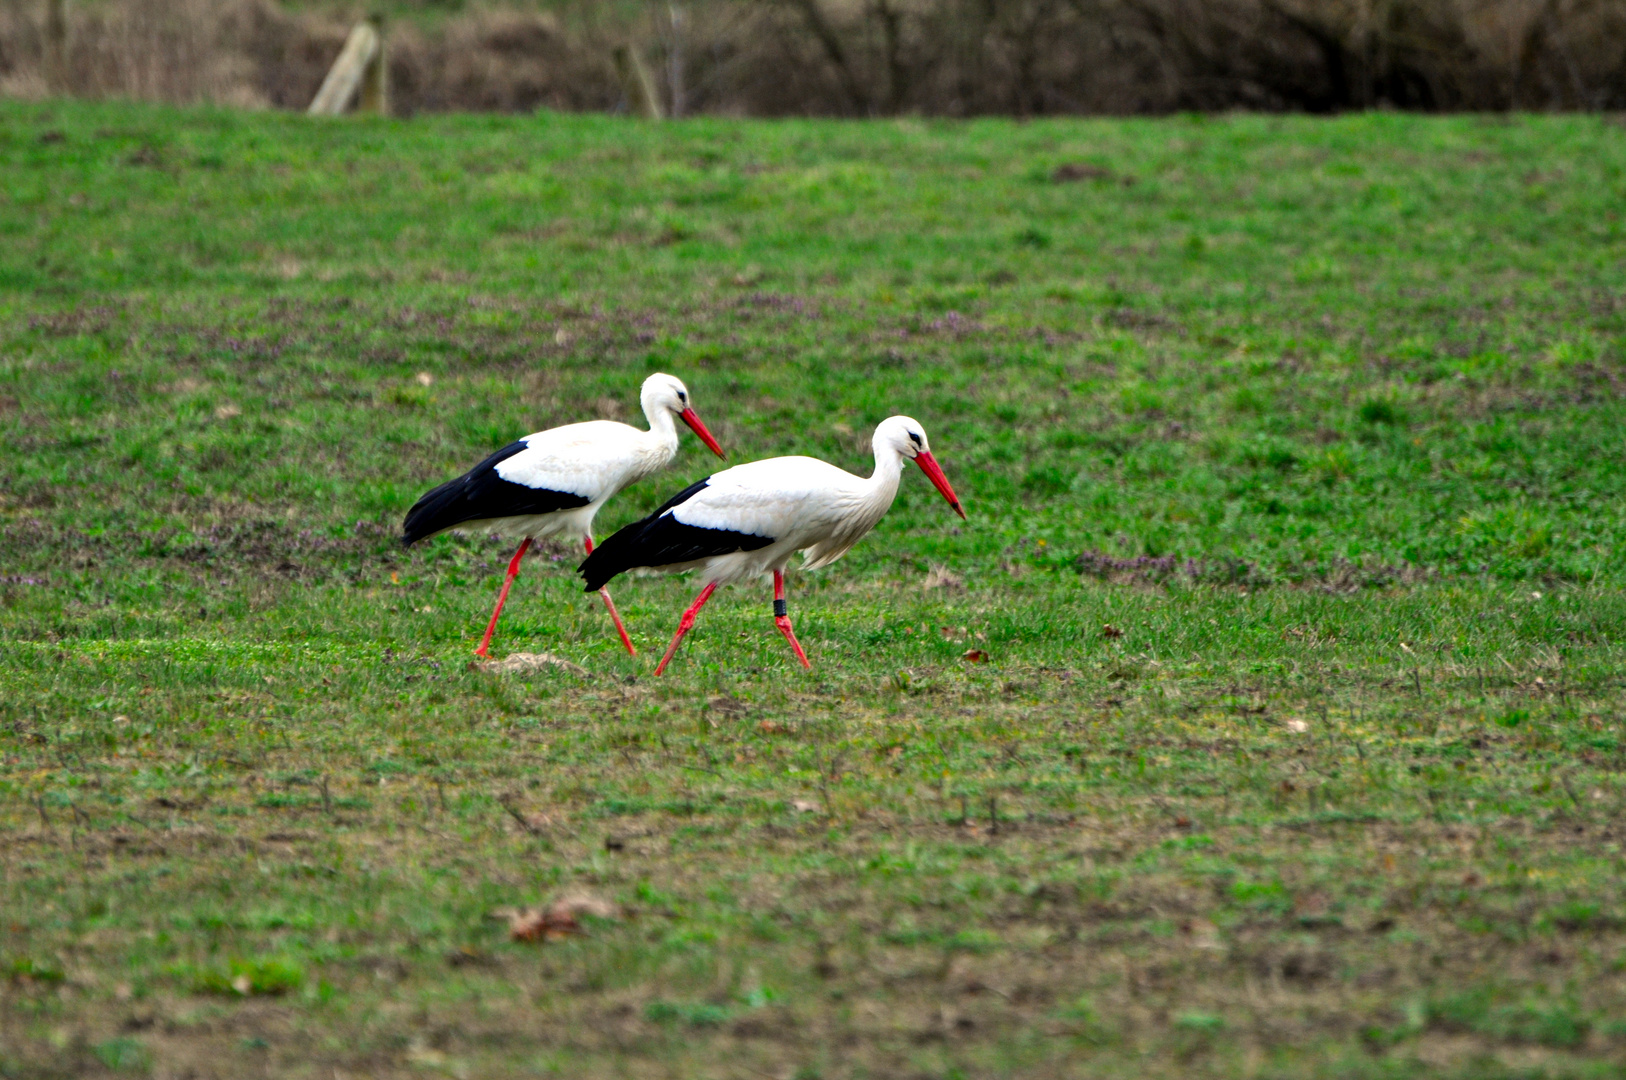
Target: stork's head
<point x="666" y="393"/>
<point x="904" y="436"/>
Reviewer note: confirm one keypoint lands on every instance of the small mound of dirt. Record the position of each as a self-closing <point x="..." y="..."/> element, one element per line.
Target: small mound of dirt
<point x="528" y="661"/>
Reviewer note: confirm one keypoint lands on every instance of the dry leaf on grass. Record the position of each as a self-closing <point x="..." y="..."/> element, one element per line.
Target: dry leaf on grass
<point x="1110" y="631"/>
<point x="1297" y="727"/>
<point x="941" y="577"/>
<point x="560" y="919"/>
<point x="527" y="661"/>
<point x="974" y="656"/>
<point x="534" y="924"/>
<point x="804" y="806"/>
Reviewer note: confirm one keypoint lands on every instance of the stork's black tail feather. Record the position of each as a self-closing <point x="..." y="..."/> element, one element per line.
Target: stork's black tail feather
<point x="622" y="551"/>
<point x="433" y="513"/>
<point x="662" y="540"/>
<point x="614" y="555"/>
<point x="482" y="495"/>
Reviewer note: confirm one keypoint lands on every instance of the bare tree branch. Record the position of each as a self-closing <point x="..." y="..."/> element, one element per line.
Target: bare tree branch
<point x="827" y="37"/>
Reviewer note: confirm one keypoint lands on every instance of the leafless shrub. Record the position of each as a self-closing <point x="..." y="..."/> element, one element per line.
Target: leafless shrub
<point x="253" y="53"/>
<point x="502" y="62"/>
<point x="866" y="57"/>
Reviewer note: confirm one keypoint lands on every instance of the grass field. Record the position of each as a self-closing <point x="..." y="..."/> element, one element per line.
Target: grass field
<point x="1292" y="452"/>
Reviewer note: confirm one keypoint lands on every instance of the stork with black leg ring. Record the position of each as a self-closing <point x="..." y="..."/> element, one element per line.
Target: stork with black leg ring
<point x="749" y="520"/>
<point x="552" y="483"/>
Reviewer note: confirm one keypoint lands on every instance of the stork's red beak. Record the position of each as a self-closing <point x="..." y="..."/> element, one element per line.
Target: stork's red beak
<point x="934" y="473"/>
<point x="688" y="417"/>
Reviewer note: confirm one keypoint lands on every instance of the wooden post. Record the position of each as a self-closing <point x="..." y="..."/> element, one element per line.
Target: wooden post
<point x="636" y="84"/>
<point x="358" y="70"/>
<point x="56" y="45"/>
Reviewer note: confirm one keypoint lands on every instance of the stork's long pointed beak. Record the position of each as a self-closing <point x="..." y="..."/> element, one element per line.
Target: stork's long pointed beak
<point x="689" y="417"/>
<point x="934" y="473"/>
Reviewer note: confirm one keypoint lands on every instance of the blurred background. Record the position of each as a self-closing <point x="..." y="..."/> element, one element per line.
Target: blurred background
<point x="840" y="57"/>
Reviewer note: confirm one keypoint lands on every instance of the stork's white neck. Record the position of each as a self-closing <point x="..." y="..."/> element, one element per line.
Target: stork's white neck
<point x="883" y="482"/>
<point x="662" y="436"/>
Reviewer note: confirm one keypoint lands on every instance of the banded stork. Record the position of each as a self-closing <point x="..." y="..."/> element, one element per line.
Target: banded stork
<point x="747" y="521"/>
<point x="551" y="483"/>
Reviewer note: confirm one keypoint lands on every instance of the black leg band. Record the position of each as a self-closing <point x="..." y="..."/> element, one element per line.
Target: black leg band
<point x="779" y="609"/>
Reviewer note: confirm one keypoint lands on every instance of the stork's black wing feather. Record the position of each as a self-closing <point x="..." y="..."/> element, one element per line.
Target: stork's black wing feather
<point x="662" y="540"/>
<point x="480" y="495"/>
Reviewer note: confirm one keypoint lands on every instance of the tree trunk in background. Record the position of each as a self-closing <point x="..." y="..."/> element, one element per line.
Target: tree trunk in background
<point x="827" y="38"/>
<point x="897" y="74"/>
<point x="56" y="46"/>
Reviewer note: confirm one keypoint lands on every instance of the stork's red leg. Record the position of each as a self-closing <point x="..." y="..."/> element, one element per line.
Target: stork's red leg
<point x="615" y="616"/>
<point x="685" y="623"/>
<point x="781" y="618"/>
<point x="502" y="597"/>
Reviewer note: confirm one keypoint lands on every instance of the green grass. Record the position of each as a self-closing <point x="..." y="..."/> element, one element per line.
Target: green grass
<point x="1292" y="453"/>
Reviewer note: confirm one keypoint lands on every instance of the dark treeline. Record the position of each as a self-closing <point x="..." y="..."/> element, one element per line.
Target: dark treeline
<point x="860" y="57"/>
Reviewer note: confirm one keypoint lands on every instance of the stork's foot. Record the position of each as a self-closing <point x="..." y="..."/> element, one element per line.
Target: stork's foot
<point x="781" y="618"/>
<point x="783" y="622"/>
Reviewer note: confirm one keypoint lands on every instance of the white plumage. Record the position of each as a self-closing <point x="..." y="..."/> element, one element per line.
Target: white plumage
<point x="594" y="460"/>
<point x="749" y="520"/>
<point x="552" y="483"/>
<point x="802" y="503"/>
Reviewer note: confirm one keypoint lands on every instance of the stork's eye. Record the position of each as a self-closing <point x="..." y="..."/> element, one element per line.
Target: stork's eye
<point x="683" y="397"/>
<point x="914" y="438"/>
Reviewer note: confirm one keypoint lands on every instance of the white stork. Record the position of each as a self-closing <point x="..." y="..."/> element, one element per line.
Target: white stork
<point x="553" y="482"/>
<point x="747" y="521"/>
